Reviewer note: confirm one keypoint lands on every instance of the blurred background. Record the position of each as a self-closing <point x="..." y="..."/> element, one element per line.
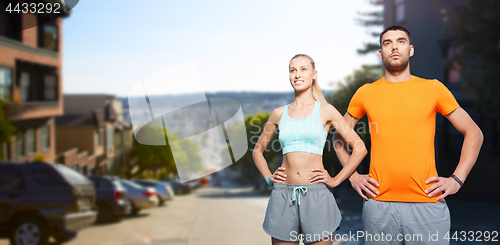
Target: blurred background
<point x="65" y="127"/>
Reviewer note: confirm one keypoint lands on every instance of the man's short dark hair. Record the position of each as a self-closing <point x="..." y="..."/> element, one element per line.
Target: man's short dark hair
<point x="394" y="28"/>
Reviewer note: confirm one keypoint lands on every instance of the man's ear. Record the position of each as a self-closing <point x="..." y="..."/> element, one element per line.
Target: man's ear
<point x="380" y="54"/>
<point x="412" y="50"/>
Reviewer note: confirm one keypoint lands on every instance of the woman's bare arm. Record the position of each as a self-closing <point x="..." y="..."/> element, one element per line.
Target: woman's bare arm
<point x="349" y="135"/>
<point x="262" y="142"/>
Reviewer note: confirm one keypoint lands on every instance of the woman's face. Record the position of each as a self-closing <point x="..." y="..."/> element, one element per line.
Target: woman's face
<point x="301" y="73"/>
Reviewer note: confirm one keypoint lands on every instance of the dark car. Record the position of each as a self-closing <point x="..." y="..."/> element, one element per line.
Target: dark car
<point x="194" y="184"/>
<point x="179" y="188"/>
<point x="111" y="198"/>
<point x="40" y="200"/>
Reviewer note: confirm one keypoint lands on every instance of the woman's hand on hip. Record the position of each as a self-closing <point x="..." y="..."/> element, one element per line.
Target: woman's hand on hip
<point x="279" y="175"/>
<point x="322" y="176"/>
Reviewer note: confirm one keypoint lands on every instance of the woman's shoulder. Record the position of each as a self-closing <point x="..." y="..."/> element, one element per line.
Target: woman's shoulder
<point x="278" y="111"/>
<point x="327" y="110"/>
<point x="276" y="114"/>
<point x="327" y="107"/>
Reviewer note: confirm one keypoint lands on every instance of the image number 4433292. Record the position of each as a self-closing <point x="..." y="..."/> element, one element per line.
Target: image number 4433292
<point x="26" y="14"/>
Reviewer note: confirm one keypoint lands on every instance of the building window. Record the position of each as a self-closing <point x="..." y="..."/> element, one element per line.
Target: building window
<point x="119" y="138"/>
<point x="20" y="144"/>
<point x="25" y="86"/>
<point x="50" y="87"/>
<point x="99" y="137"/>
<point x="45" y="137"/>
<point x="50" y="37"/>
<point x="5" y="83"/>
<point x="400" y="10"/>
<point x="30" y="141"/>
<point x="110" y="138"/>
<point x="454" y="71"/>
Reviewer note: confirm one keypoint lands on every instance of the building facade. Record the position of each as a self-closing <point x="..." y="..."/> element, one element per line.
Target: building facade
<point x="92" y="125"/>
<point x="31" y="83"/>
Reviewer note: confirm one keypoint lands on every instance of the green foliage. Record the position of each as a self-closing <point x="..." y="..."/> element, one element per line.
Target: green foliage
<point x="7" y="129"/>
<point x="39" y="158"/>
<point x="373" y="19"/>
<point x="476" y="31"/>
<point x="254" y="126"/>
<point x="346" y="90"/>
<point x="159" y="158"/>
<point x="145" y="175"/>
<point x="161" y="174"/>
<point x="340" y="100"/>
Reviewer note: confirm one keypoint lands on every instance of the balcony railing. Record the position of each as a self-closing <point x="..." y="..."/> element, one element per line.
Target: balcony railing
<point x="18" y="109"/>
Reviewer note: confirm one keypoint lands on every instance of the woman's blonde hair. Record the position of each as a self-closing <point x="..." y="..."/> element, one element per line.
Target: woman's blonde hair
<point x="316" y="90"/>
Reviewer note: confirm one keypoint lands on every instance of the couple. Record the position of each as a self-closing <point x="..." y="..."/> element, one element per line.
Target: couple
<point x="406" y="204"/>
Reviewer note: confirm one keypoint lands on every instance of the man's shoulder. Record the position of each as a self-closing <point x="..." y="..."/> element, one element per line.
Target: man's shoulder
<point x="367" y="87"/>
<point x="425" y="80"/>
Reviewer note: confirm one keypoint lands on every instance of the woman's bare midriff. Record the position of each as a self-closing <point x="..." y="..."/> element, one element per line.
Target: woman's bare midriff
<point x="298" y="167"/>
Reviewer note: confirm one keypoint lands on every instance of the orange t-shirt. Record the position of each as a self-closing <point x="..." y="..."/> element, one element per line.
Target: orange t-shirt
<point x="402" y="122"/>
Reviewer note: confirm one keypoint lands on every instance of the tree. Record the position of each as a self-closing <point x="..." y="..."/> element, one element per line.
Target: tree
<point x="369" y="20"/>
<point x="7" y="129"/>
<point x="254" y="126"/>
<point x="476" y="36"/>
<point x="159" y="158"/>
<point x="341" y="98"/>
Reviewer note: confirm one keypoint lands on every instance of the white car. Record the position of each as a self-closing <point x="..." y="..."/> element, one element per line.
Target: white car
<point x="163" y="189"/>
<point x="140" y="197"/>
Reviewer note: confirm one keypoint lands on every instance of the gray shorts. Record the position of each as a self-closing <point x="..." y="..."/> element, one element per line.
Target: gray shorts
<point x="405" y="222"/>
<point x="309" y="210"/>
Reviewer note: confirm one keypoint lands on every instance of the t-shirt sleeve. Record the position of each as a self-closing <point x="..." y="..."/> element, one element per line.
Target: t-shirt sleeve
<point x="445" y="101"/>
<point x="356" y="106"/>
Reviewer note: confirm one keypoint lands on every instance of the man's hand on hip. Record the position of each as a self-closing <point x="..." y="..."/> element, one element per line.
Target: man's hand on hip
<point x="448" y="185"/>
<point x="363" y="182"/>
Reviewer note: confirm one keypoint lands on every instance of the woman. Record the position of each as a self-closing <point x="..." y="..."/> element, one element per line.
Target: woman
<point x="300" y="201"/>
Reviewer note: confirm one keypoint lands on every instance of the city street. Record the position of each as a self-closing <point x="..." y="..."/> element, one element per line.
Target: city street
<point x="213" y="215"/>
<point x="210" y="215"/>
<point x="207" y="216"/>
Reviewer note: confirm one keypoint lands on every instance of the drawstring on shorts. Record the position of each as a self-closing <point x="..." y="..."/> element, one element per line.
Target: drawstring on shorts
<point x="302" y="189"/>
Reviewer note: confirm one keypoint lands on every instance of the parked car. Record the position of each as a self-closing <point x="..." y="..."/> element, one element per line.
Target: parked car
<point x="179" y="188"/>
<point x="216" y="182"/>
<point x="163" y="189"/>
<point x="194" y="184"/>
<point x="40" y="200"/>
<point x="140" y="197"/>
<point x="111" y="198"/>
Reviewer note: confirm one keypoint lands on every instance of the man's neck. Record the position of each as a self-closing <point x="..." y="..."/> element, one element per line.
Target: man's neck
<point x="396" y="77"/>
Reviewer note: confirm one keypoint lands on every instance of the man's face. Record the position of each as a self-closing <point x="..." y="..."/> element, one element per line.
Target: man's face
<point x="396" y="50"/>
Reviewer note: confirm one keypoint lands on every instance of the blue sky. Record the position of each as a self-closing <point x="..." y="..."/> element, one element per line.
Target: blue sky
<point x="108" y="46"/>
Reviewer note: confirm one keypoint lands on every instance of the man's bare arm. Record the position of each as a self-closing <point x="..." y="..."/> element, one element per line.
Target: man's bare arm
<point x="473" y="139"/>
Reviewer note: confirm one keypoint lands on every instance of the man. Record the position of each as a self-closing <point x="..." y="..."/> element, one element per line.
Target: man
<point x="406" y="203"/>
